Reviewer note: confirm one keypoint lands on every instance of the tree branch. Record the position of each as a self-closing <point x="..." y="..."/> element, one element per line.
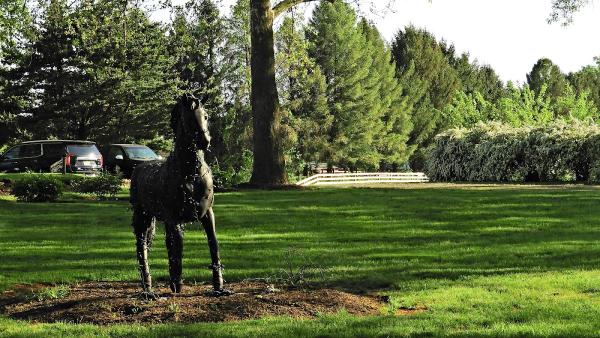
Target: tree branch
<point x="287" y="4"/>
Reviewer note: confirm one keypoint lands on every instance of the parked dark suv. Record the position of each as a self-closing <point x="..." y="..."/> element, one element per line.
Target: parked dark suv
<point x="52" y="156"/>
<point x="122" y="158"/>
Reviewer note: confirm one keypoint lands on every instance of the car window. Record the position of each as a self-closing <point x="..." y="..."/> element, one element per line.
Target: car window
<point x="54" y="149"/>
<point x="30" y="150"/>
<point x="84" y="150"/>
<point x="114" y="151"/>
<point x="144" y="153"/>
<point x="13" y="153"/>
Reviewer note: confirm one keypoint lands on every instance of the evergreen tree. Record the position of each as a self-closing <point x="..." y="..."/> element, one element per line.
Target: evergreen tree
<point x="303" y="92"/>
<point x="546" y="73"/>
<point x="429" y="81"/>
<point x="51" y="75"/>
<point x="231" y="124"/>
<point x="392" y="108"/>
<point x="474" y="78"/>
<point x="340" y="49"/>
<point x="15" y="33"/>
<point x="128" y="70"/>
<point x="98" y="71"/>
<point x="587" y="80"/>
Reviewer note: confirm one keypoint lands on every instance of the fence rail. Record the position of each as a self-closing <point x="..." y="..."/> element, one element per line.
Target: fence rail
<point x="363" y="178"/>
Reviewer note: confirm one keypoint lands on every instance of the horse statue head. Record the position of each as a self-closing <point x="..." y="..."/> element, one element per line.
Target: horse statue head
<point x="189" y="121"/>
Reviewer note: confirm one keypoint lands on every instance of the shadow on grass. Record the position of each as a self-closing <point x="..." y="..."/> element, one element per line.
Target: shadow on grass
<point x="364" y="239"/>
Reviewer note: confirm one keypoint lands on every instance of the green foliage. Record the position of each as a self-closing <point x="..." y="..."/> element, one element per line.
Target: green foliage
<point x="575" y="106"/>
<point x="495" y="152"/>
<point x="563" y="10"/>
<point x="587" y="80"/>
<point x="226" y="176"/>
<point x="428" y="79"/>
<point x="370" y="116"/>
<point x="546" y="74"/>
<point x="340" y="49"/>
<point x="14" y="18"/>
<point x="390" y="105"/>
<point x="102" y="186"/>
<point x="522" y="107"/>
<point x="37" y="188"/>
<point x="303" y="94"/>
<point x="51" y="293"/>
<point x="96" y="70"/>
<point x="466" y="110"/>
<point x="197" y="43"/>
<point x="474" y="78"/>
<point x="231" y="125"/>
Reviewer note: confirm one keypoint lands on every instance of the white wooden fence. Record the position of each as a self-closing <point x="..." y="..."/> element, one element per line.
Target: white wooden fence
<point x="363" y="178"/>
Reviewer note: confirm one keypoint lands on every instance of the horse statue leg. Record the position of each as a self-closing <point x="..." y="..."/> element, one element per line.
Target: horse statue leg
<point x="208" y="222"/>
<point x="174" y="241"/>
<point x="143" y="228"/>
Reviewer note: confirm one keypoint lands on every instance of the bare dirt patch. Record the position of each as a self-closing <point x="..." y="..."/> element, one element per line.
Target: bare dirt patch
<point x="107" y="303"/>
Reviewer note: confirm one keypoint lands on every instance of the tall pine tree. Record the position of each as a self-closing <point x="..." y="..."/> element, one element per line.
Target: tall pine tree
<point x="303" y="94"/>
<point x="341" y="50"/>
<point x="391" y="106"/>
<point x="428" y="79"/>
<point x="98" y="70"/>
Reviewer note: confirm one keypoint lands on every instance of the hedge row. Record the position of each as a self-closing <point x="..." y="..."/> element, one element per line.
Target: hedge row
<point x="32" y="187"/>
<point x="493" y="152"/>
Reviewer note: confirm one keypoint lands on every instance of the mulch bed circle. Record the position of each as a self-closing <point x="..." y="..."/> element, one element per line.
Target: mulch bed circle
<point x="106" y="303"/>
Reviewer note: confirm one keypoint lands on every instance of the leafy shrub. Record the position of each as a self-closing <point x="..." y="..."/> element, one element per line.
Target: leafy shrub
<point x="594" y="175"/>
<point x="227" y="176"/>
<point x="37" y="188"/>
<point x="50" y="293"/>
<point x="102" y="186"/>
<point x="495" y="152"/>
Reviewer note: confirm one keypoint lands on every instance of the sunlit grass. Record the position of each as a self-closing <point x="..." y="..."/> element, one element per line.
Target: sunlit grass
<point x="480" y="260"/>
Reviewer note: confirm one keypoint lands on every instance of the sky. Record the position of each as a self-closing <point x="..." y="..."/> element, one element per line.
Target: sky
<point x="509" y="35"/>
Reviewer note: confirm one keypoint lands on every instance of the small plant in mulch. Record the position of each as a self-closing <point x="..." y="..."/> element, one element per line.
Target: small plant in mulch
<point x="297" y="274"/>
<point x="50" y="293"/>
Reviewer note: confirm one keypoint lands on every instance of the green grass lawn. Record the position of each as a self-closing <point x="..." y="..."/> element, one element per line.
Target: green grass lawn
<point x="483" y="260"/>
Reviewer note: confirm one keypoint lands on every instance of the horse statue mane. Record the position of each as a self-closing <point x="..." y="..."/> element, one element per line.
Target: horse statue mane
<point x="177" y="192"/>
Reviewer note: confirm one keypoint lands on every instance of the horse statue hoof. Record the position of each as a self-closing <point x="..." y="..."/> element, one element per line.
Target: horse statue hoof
<point x="176" y="287"/>
<point x="148" y="296"/>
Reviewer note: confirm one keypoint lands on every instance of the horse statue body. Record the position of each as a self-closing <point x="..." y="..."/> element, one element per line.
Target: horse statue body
<point x="177" y="192"/>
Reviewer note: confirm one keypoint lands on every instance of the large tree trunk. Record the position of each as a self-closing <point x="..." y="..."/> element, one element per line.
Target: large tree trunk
<point x="269" y="163"/>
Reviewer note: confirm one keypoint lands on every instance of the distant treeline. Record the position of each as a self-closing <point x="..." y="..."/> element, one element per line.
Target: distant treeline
<point x="102" y="70"/>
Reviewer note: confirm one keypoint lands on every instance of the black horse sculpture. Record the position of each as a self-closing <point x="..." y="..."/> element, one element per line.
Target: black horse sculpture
<point x="176" y="192"/>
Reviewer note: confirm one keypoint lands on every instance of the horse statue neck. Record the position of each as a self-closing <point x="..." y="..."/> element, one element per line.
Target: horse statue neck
<point x="188" y="158"/>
